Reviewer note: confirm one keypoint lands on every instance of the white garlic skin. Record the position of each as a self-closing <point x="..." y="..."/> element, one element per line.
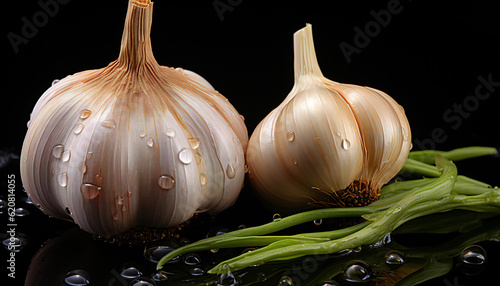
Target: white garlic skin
<point x="147" y="144"/>
<point x="324" y="136"/>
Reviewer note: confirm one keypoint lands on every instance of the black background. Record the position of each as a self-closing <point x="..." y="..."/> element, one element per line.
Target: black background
<point x="428" y="58"/>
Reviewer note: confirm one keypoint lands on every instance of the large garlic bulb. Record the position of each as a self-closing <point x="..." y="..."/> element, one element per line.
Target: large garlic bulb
<point x="328" y="143"/>
<point x="134" y="143"/>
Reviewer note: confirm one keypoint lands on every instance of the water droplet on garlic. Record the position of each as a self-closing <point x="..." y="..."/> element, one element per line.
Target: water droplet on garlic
<point x="405" y="134"/>
<point x="66" y="155"/>
<point x="230" y="172"/>
<point x="185" y="156"/>
<point x="166" y="182"/>
<point x="150" y="142"/>
<point x="345" y="144"/>
<point x="203" y="179"/>
<point x="119" y="200"/>
<point x="194" y="143"/>
<point x="198" y="158"/>
<point x="170" y="132"/>
<point x="108" y="124"/>
<point x="89" y="155"/>
<point x="84" y="114"/>
<point x="290" y="136"/>
<point x="115" y="216"/>
<point x="57" y="150"/>
<point x="90" y="191"/>
<point x="83" y="168"/>
<point x="78" y="129"/>
<point x="142" y="134"/>
<point x="54" y="82"/>
<point x="62" y="179"/>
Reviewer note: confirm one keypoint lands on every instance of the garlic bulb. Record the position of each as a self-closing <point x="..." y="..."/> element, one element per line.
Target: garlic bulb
<point x="328" y="143"/>
<point x="134" y="143"/>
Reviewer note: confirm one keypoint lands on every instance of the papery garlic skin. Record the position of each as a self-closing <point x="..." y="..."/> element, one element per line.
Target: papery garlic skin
<point x="133" y="144"/>
<point x="324" y="138"/>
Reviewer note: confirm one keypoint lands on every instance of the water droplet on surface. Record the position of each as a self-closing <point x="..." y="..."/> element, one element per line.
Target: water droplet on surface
<point x="226" y="278"/>
<point x="194" y="143"/>
<point x="345" y="144"/>
<point x="62" y="179"/>
<point x="156" y="252"/>
<point x="108" y="124"/>
<point x="473" y="255"/>
<point x="276" y="217"/>
<point x="83" y="168"/>
<point x="68" y="211"/>
<point x="160" y="276"/>
<point x="54" y="82"/>
<point x="230" y="172"/>
<point x="318" y="221"/>
<point x="405" y="134"/>
<point x="89" y="155"/>
<point x="150" y="142"/>
<point x="78" y="128"/>
<point x="203" y="179"/>
<point x="115" y="216"/>
<point x="57" y="150"/>
<point x="15" y="243"/>
<point x="77" y="278"/>
<point x="66" y="155"/>
<point x="192" y="259"/>
<point x="394" y="259"/>
<point x="290" y="136"/>
<point x="166" y="182"/>
<point x="142" y="134"/>
<point x="170" y="132"/>
<point x="130" y="272"/>
<point x="357" y="271"/>
<point x="285" y="281"/>
<point x="338" y="133"/>
<point x="198" y="158"/>
<point x="142" y="281"/>
<point x="90" y="191"/>
<point x="21" y="212"/>
<point x="119" y="200"/>
<point x="84" y="114"/>
<point x="185" y="156"/>
<point x="196" y="271"/>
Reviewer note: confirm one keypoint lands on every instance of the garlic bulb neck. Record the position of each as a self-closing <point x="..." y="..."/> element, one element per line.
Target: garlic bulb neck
<point x="135" y="51"/>
<point x="305" y="61"/>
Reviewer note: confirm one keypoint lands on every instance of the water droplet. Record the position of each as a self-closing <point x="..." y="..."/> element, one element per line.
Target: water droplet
<point x="285" y="281"/>
<point x="124" y="208"/>
<point x="119" y="200"/>
<point x="357" y="271"/>
<point x="405" y="134"/>
<point x="194" y="143"/>
<point x="196" y="271"/>
<point x="185" y="156"/>
<point x="84" y="114"/>
<point x="130" y="272"/>
<point x="338" y="133"/>
<point x="90" y="191"/>
<point x="108" y="124"/>
<point x="192" y="259"/>
<point x="143" y="134"/>
<point x="83" y="168"/>
<point x="62" y="179"/>
<point x="98" y="179"/>
<point x="66" y="155"/>
<point x="78" y="128"/>
<point x="230" y="172"/>
<point x="115" y="216"/>
<point x="77" y="278"/>
<point x="170" y="132"/>
<point x="160" y="276"/>
<point x="203" y="179"/>
<point x="89" y="155"/>
<point x="150" y="142"/>
<point x="21" y="212"/>
<point x="276" y="217"/>
<point x="290" y="136"/>
<point x="156" y="252"/>
<point x="129" y="194"/>
<point x="318" y="221"/>
<point x="218" y="230"/>
<point x="166" y="182"/>
<point x="58" y="150"/>
<point x="345" y="144"/>
<point x="142" y="281"/>
<point x="15" y="243"/>
<point x="473" y="255"/>
<point x="394" y="259"/>
<point x="54" y="82"/>
<point x="226" y="278"/>
<point x="68" y="211"/>
<point x="198" y="158"/>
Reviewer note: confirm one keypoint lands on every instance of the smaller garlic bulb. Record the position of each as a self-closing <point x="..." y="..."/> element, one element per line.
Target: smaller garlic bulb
<point x="327" y="143"/>
<point x="133" y="144"/>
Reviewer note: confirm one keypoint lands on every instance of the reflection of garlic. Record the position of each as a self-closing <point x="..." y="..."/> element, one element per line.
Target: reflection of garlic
<point x="328" y="142"/>
<point x="134" y="143"/>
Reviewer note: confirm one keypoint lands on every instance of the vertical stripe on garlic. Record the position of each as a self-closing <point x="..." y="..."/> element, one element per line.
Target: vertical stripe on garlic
<point x="134" y="143"/>
<point x="327" y="143"/>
